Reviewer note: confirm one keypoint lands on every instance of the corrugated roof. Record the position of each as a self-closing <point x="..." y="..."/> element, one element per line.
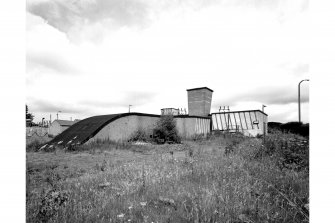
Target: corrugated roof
<point x="241" y="111"/>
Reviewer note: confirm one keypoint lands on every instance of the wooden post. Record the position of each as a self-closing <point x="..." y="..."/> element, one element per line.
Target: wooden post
<point x="263" y="132"/>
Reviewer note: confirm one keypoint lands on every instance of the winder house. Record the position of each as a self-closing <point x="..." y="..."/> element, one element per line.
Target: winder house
<point x="198" y="121"/>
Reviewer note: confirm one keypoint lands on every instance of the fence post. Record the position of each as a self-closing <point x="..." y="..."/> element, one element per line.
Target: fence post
<point x="264" y="133"/>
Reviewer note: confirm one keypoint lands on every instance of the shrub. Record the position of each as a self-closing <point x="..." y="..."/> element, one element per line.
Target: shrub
<point x="166" y="130"/>
<point x="217" y="133"/>
<point x="292" y="151"/>
<point x="289" y="127"/>
<point x="34" y="146"/>
<point x="197" y="137"/>
<point x="139" y="135"/>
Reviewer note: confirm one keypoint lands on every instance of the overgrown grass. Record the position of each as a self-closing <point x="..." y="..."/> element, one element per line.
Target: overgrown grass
<point x="225" y="178"/>
<point x="34" y="142"/>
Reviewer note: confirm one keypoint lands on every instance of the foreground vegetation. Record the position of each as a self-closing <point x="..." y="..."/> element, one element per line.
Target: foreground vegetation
<point x="224" y="178"/>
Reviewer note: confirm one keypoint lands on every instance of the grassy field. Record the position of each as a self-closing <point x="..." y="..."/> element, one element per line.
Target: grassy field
<point x="224" y="178"/>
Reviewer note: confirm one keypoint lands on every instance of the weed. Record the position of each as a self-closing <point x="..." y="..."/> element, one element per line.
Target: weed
<point x="33" y="146"/>
<point x="254" y="183"/>
<point x="51" y="201"/>
<point x="139" y="135"/>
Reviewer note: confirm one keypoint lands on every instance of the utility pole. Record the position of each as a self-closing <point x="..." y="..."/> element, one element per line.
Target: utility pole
<point x="264" y="125"/>
<point x="224" y="109"/>
<point x="57" y="114"/>
<point x="228" y="117"/>
<point x="299" y="111"/>
<point x="263" y="106"/>
<point x="264" y="132"/>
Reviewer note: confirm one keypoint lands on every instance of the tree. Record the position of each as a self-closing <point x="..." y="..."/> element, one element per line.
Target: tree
<point x="166" y="129"/>
<point x="29" y="115"/>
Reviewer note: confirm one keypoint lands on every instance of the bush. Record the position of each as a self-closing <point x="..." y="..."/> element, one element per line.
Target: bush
<point x="34" y="146"/>
<point x="291" y="150"/>
<point x="217" y="133"/>
<point x="166" y="130"/>
<point x="289" y="127"/>
<point x="197" y="137"/>
<point x="139" y="135"/>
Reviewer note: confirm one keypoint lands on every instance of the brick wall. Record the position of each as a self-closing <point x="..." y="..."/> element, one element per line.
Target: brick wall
<point x="199" y="102"/>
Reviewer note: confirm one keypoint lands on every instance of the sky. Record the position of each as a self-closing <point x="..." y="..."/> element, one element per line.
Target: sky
<point x="96" y="57"/>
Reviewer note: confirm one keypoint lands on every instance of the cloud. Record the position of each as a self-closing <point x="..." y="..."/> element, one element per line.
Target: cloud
<point x="64" y="15"/>
<point x="50" y="61"/>
<point x="97" y="103"/>
<point x="267" y="96"/>
<point x="297" y="69"/>
<point x="138" y="98"/>
<point x="129" y="98"/>
<point x="300" y="5"/>
<point x="73" y="17"/>
<point x="301" y="69"/>
<point x="48" y="107"/>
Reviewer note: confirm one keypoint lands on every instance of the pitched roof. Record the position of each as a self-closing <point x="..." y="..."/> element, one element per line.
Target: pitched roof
<point x="199" y="88"/>
<point x="65" y="122"/>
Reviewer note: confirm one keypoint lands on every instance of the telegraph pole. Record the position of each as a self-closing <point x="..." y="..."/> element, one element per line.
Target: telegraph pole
<point x="263" y="106"/>
<point x="57" y="114"/>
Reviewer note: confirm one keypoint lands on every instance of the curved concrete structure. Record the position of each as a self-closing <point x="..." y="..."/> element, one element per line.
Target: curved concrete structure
<point x="121" y="129"/>
<point x="121" y="126"/>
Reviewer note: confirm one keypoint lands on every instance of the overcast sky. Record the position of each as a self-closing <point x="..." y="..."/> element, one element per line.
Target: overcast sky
<point x="93" y="57"/>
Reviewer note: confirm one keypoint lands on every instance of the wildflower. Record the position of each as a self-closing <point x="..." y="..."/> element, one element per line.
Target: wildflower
<point x="120" y="215"/>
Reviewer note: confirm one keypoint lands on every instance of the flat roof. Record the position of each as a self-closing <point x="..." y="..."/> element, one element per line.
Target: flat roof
<point x="170" y="108"/>
<point x="240" y="111"/>
<point x="199" y="88"/>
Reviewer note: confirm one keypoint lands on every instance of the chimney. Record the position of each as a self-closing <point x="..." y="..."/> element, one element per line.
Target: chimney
<point x="199" y="101"/>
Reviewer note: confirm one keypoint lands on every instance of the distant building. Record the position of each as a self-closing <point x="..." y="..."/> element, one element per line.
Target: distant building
<point x="29" y="122"/>
<point x="59" y="126"/>
<point x="170" y="111"/>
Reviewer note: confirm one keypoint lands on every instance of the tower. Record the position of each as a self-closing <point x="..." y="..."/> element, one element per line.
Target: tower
<point x="199" y="101"/>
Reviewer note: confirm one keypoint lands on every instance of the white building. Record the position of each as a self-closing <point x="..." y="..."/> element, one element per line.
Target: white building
<point x="59" y="126"/>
